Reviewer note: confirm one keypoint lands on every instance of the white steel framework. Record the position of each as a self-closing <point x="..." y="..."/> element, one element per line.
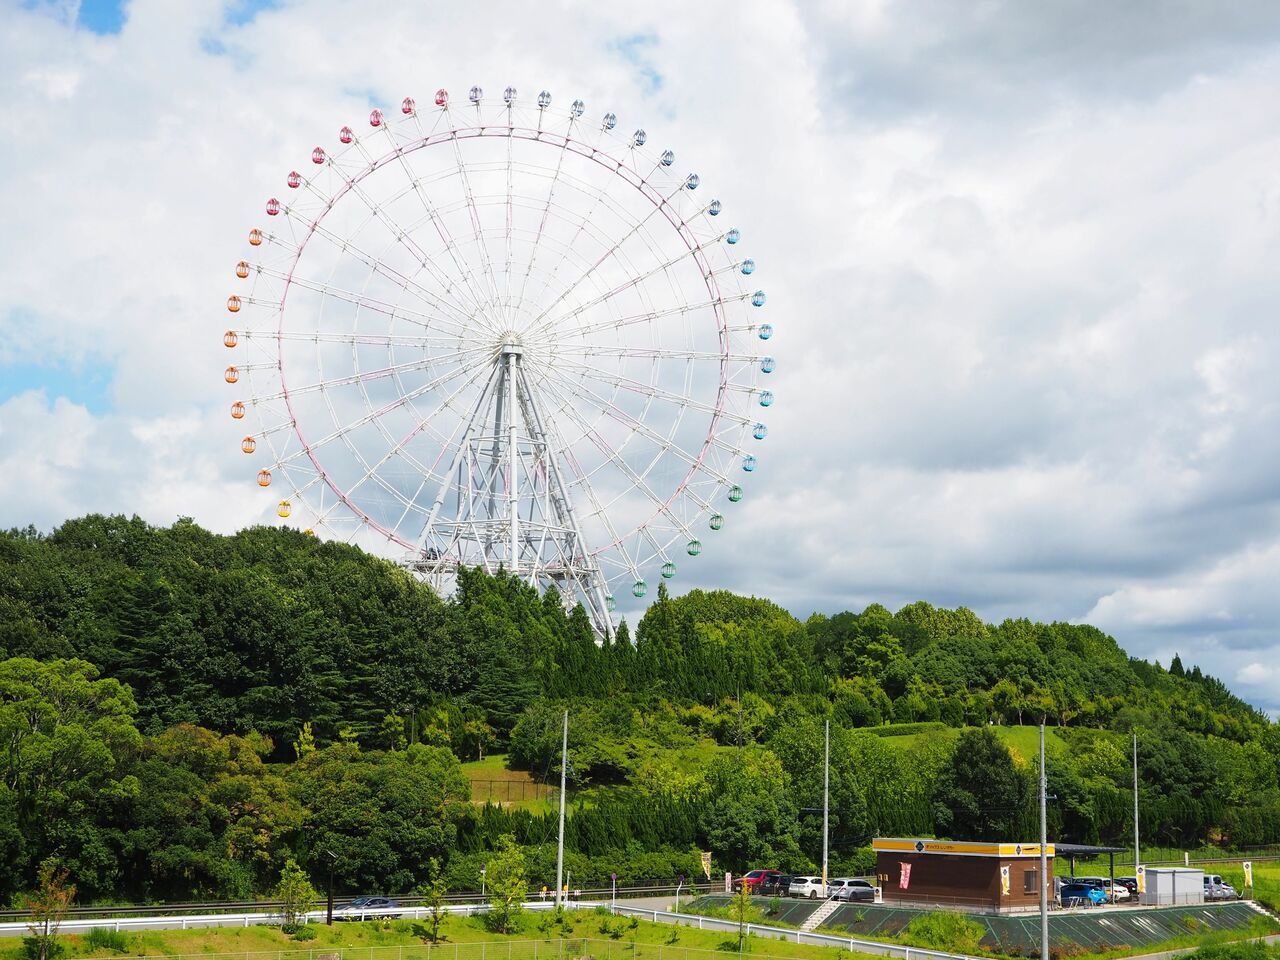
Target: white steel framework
<point x="503" y="335"/>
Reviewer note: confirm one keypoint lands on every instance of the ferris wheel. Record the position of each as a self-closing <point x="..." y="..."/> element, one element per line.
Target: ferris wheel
<point x="502" y="333"/>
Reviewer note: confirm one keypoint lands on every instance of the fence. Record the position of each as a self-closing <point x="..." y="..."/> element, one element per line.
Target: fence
<point x="510" y="791"/>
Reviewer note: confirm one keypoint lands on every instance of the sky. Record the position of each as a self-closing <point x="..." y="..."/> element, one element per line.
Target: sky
<point x="1020" y="260"/>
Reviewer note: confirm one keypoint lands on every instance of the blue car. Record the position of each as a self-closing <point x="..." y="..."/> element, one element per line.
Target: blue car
<point x="1081" y="895"/>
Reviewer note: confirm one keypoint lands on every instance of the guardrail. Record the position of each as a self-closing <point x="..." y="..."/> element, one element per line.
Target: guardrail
<point x="875" y="947"/>
<point x="409" y="900"/>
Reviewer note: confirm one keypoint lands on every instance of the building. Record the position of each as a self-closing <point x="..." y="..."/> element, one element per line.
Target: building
<point x="964" y="875"/>
<point x="1166" y="886"/>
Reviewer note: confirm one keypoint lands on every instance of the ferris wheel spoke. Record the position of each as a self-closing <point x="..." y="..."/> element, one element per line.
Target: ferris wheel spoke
<point x="661" y="353"/>
<point x="481" y="247"/>
<point x="371" y="472"/>
<point x="379" y="374"/>
<point x="616" y="457"/>
<point x="628" y="285"/>
<point x="359" y="339"/>
<point x="542" y="223"/>
<point x="643" y="429"/>
<point x="652" y="391"/>
<point x="445" y="235"/>
<point x="376" y="264"/>
<point x="672" y="311"/>
<point x="611" y="252"/>
<point x="446" y="303"/>
<point x="404" y="237"/>
<point x="394" y="311"/>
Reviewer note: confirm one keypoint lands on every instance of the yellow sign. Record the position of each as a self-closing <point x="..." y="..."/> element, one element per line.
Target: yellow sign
<point x="1248" y="873"/>
<point x="706" y="863"/>
<point x="1003" y="850"/>
<point x="1142" y="879"/>
<point x="1004" y="880"/>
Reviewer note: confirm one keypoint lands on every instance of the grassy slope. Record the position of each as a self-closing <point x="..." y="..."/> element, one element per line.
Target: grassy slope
<point x="456" y="931"/>
<point x="492" y="780"/>
<point x="1023" y="742"/>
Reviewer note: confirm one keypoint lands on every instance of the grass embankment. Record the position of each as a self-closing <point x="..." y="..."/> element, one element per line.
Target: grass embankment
<point x="1023" y="742"/>
<point x="493" y="782"/>
<point x="582" y="934"/>
<point x="1266" y="881"/>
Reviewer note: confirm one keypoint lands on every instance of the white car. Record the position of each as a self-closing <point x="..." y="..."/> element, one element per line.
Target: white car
<point x="368" y="908"/>
<point x="810" y="887"/>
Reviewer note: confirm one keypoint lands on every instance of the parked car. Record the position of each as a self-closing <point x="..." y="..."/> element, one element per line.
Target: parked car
<point x="775" y="884"/>
<point x="366" y="908"/>
<point x="757" y="881"/>
<point x="1114" y="892"/>
<point x="1081" y="895"/>
<point x="855" y="890"/>
<point x="1215" y="888"/>
<point x="810" y="887"/>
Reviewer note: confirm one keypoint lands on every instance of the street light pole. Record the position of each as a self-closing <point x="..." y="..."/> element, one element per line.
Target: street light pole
<point x="1044" y="855"/>
<point x="328" y="919"/>
<point x="826" y="800"/>
<point x="564" y="767"/>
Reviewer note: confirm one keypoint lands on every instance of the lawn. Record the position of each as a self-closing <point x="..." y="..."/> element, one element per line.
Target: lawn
<point x="1023" y="742"/>
<point x="493" y="782"/>
<point x="585" y="933"/>
<point x="1266" y="880"/>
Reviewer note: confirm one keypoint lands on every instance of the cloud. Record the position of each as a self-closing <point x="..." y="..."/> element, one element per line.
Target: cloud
<point x="1019" y="258"/>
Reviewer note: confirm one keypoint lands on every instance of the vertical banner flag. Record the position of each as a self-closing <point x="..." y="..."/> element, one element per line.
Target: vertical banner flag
<point x="706" y="863"/>
<point x="1004" y="880"/>
<point x="1248" y="873"/>
<point x="1142" y="878"/>
<point x="904" y="878"/>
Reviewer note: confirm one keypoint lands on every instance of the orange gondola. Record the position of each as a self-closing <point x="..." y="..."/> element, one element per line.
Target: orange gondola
<point x="248" y="444"/>
<point x="232" y="375"/>
<point x="264" y="478"/>
<point x="230" y="338"/>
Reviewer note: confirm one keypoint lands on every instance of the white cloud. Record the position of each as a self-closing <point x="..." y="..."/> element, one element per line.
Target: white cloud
<point x="1021" y="269"/>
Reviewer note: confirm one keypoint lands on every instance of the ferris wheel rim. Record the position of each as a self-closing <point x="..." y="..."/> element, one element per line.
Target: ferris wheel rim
<point x="640" y="184"/>
<point x="702" y="477"/>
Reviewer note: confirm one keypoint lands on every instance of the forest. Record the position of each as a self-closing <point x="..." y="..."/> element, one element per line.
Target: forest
<point x="182" y="712"/>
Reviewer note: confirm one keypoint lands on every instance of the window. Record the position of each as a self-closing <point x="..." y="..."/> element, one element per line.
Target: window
<point x="1029" y="881"/>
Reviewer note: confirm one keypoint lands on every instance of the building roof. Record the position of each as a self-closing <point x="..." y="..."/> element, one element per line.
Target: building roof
<point x="962" y="848"/>
<point x="1085" y="850"/>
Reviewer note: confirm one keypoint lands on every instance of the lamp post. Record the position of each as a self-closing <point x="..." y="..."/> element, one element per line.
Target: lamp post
<point x="482" y="881"/>
<point x="615" y="891"/>
<point x="679" y="884"/>
<point x="333" y="859"/>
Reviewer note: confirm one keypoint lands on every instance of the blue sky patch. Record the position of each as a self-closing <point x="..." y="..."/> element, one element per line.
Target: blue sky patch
<point x="85" y="384"/>
<point x="635" y="50"/>
<point x="104" y="17"/>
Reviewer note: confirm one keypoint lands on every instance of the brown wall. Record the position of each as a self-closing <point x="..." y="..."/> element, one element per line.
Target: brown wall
<point x="945" y="878"/>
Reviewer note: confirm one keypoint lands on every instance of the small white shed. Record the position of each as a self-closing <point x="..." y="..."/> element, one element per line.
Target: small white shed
<point x="1167" y="886"/>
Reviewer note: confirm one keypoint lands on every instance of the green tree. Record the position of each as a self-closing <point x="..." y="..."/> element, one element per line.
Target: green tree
<point x="434" y="893"/>
<point x="296" y="895"/>
<point x="48" y="907"/>
<point x="508" y="885"/>
<point x="980" y="794"/>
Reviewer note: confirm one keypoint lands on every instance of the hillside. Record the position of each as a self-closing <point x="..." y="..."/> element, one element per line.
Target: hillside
<point x="206" y="706"/>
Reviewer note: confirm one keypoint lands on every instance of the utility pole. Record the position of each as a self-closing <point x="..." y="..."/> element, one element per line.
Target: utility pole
<point x="1044" y="854"/>
<point x="1135" y="802"/>
<point x="826" y="800"/>
<point x="564" y="767"/>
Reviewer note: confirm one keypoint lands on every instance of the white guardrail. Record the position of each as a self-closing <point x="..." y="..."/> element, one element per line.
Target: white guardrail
<point x="161" y="922"/>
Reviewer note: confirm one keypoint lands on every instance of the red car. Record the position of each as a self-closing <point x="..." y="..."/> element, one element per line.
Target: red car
<point x="758" y="881"/>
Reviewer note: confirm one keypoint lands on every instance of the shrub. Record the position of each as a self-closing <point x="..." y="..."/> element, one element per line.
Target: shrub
<point x="101" y="938"/>
<point x="952" y="932"/>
